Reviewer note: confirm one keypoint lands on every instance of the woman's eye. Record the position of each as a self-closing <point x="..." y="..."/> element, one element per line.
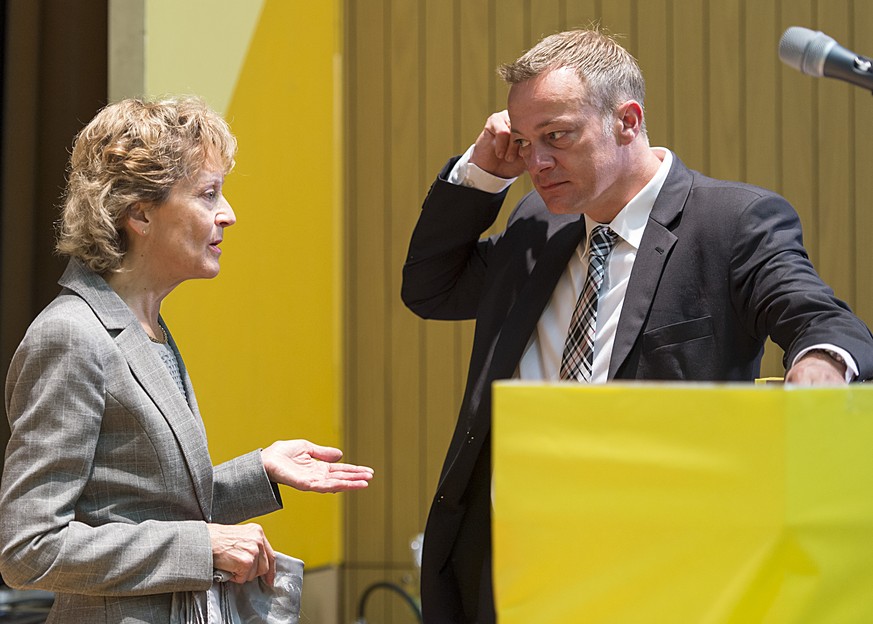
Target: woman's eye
<point x="522" y="142"/>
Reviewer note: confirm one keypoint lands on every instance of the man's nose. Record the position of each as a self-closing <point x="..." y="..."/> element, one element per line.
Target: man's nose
<point x="538" y="159"/>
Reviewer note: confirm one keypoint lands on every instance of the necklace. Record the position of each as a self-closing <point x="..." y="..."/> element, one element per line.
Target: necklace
<point x="155" y="340"/>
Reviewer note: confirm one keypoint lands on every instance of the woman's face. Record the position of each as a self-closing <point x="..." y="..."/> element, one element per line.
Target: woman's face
<point x="187" y="229"/>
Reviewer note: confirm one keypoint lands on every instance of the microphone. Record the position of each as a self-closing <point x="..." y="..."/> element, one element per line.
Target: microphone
<point x="815" y="54"/>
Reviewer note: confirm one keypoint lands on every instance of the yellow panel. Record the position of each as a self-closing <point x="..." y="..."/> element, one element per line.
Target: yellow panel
<point x="198" y="46"/>
<point x="263" y="341"/>
<point x="711" y="504"/>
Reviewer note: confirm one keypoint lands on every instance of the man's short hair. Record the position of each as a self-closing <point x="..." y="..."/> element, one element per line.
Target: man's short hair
<point x="610" y="73"/>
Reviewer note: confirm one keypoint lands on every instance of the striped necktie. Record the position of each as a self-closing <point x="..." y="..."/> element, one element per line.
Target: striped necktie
<point x="578" y="358"/>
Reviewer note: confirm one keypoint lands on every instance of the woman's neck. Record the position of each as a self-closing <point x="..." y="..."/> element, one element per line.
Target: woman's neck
<point x="141" y="295"/>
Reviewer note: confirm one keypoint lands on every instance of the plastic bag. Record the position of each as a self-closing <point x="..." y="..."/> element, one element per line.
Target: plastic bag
<point x="253" y="602"/>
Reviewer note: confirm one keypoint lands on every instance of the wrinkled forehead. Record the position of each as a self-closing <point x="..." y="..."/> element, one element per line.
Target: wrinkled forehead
<point x="561" y="84"/>
<point x="551" y="94"/>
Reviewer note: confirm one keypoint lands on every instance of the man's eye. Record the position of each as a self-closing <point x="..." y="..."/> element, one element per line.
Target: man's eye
<point x="557" y="134"/>
<point x="522" y="142"/>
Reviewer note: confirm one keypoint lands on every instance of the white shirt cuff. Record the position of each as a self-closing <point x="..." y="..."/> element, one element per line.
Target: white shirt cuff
<point x="851" y="365"/>
<point x="465" y="173"/>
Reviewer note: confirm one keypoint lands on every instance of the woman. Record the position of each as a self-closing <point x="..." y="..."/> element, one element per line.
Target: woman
<point x="109" y="497"/>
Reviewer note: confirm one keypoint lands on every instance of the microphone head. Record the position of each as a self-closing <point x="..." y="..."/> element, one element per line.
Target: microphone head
<point x="805" y="50"/>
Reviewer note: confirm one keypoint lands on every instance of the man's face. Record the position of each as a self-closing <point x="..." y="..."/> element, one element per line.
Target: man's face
<point x="571" y="152"/>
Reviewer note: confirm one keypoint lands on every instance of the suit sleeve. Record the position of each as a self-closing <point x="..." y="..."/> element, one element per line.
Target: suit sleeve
<point x="56" y="397"/>
<point x="242" y="490"/>
<point x="779" y="293"/>
<point x="446" y="263"/>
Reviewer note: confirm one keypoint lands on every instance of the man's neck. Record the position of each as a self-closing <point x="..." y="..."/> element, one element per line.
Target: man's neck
<point x="642" y="166"/>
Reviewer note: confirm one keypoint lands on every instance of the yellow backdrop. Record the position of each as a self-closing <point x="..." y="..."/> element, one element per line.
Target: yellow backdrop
<point x="263" y="341"/>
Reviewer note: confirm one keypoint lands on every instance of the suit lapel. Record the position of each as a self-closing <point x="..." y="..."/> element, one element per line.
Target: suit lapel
<point x="533" y="297"/>
<point x="657" y="242"/>
<point x="155" y="379"/>
<point x="151" y="373"/>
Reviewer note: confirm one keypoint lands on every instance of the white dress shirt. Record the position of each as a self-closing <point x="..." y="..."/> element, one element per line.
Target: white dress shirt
<point x="542" y="356"/>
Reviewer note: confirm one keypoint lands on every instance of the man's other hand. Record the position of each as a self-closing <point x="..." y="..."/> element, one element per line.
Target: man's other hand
<point x="495" y="152"/>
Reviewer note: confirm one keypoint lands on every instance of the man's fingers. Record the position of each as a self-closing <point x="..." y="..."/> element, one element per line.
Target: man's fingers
<point x="497" y="127"/>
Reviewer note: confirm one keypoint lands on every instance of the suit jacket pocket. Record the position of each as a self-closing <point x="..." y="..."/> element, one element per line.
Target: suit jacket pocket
<point x="677" y="333"/>
<point x="681" y="351"/>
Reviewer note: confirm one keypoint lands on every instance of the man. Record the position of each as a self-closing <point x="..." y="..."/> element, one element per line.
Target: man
<point x="685" y="281"/>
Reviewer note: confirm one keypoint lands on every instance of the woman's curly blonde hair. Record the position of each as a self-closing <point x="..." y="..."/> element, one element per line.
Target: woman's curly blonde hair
<point x="132" y="152"/>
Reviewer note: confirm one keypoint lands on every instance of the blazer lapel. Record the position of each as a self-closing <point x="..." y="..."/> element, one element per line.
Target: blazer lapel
<point x="152" y="374"/>
<point x="155" y="379"/>
<point x="533" y="297"/>
<point x="657" y="242"/>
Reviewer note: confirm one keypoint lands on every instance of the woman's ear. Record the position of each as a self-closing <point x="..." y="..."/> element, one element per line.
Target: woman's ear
<point x="138" y="219"/>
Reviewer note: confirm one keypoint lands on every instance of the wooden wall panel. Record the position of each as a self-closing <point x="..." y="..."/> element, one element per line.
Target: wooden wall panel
<point x="579" y="14"/>
<point x="689" y="100"/>
<point x="862" y="41"/>
<point x="368" y="370"/>
<point x="404" y="516"/>
<point x="545" y="17"/>
<point x="619" y="17"/>
<point x="726" y="89"/>
<point x="475" y="95"/>
<point x="760" y="111"/>
<point x="440" y="362"/>
<point x="760" y="114"/>
<point x="799" y="125"/>
<point x="654" y="54"/>
<point x="833" y="208"/>
<point x="420" y="84"/>
<point x="512" y="34"/>
<point x="404" y="189"/>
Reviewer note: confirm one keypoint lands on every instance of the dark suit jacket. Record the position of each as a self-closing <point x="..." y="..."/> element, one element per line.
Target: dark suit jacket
<point x="720" y="267"/>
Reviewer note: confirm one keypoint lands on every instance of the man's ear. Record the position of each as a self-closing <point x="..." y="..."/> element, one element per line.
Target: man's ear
<point x="630" y="119"/>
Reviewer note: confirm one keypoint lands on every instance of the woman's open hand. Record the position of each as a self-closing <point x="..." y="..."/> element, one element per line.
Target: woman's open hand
<point x="309" y="467"/>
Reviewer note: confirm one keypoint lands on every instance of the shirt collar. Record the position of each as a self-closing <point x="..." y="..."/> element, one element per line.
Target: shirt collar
<point x="630" y="222"/>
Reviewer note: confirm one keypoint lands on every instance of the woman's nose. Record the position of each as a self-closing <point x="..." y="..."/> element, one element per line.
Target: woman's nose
<point x="226" y="216"/>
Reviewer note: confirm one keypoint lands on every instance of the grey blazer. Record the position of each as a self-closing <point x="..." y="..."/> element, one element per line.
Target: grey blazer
<point x="108" y="484"/>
